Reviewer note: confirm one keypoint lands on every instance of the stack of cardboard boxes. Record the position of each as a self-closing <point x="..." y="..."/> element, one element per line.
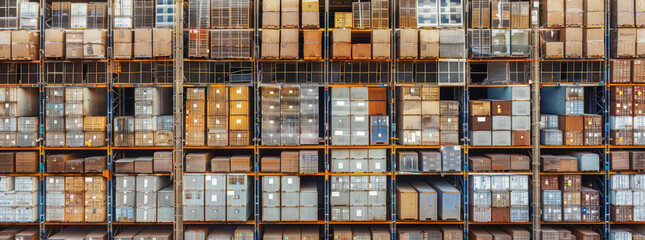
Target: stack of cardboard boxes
<point x="150" y="113"/>
<point x="196" y="115"/>
<point x="290" y="112"/>
<point x="626" y="121"/>
<point x="19" y="128"/>
<point x="566" y="124"/>
<point x="363" y="199"/>
<point x="217" y="197"/>
<point x="19" y="45"/>
<point x="365" y="15"/>
<point x="499" y="198"/>
<point x="217" y="116"/>
<point x="358" y="160"/>
<point x="626" y="198"/>
<point x="565" y="200"/>
<point x="580" y="29"/>
<point x="142" y="198"/>
<point x="305" y="161"/>
<point x="352" y="115"/>
<point x="19" y="196"/>
<point x="503" y="122"/>
<point x="73" y="117"/>
<point x="287" y="198"/>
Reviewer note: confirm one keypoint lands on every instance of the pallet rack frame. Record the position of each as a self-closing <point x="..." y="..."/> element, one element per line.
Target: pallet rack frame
<point x="178" y="142"/>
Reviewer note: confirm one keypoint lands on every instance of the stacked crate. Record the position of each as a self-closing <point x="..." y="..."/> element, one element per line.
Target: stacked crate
<point x="304" y="231"/>
<point x="575" y="29"/>
<point x="309" y="113"/>
<point x="351" y="110"/>
<point x="74" y="199"/>
<point x="137" y="198"/>
<point x="271" y="115"/>
<point x="280" y="34"/>
<point x="500" y="29"/>
<point x="623" y="114"/>
<point x="500" y="198"/>
<point x="287" y="198"/>
<point x="19" y="199"/>
<point x="626" y="198"/>
<point x="19" y="162"/>
<point x="421" y="119"/>
<point x="232" y="38"/>
<point x="217" y="197"/>
<point x="123" y="131"/>
<point x="123" y="13"/>
<point x="590" y="205"/>
<point x="239" y="120"/>
<point x="363" y="199"/>
<point x="216" y="119"/>
<point x="149" y="104"/>
<point x="55" y="113"/>
<point x="195" y="116"/>
<point x="166" y="204"/>
<point x="55" y="198"/>
<point x="95" y="199"/>
<point x="233" y="232"/>
<point x="568" y="130"/>
<point x="290" y="115"/>
<point x="17" y="126"/>
<point x="164" y="133"/>
<point x="74" y="113"/>
<point x="358" y="160"/>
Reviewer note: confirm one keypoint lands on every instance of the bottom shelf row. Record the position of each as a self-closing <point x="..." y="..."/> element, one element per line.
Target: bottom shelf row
<point x="315" y="232"/>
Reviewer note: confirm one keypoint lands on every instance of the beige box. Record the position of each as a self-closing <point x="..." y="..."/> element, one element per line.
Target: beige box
<point x="290" y="13"/>
<point x="289" y="44"/>
<point x="270" y="43"/>
<point x="74" y="44"/>
<point x="95" y="213"/>
<point x="95" y="123"/>
<point x="408" y="44"/>
<point x="362" y="51"/>
<point x="573" y="12"/>
<point x="640" y="42"/>
<point x="54" y="43"/>
<point x="312" y="43"/>
<point x="342" y="43"/>
<point x="572" y="38"/>
<point x="624" y="42"/>
<point x="122" y="43"/>
<point x="162" y="42"/>
<point x="429" y="43"/>
<point x="595" y="43"/>
<point x="24" y="45"/>
<point x="5" y="45"/>
<point x="94" y="42"/>
<point x="381" y="43"/>
<point x="143" y="43"/>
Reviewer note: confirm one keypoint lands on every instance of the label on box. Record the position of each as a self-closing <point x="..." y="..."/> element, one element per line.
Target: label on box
<point x="335" y="194"/>
<point x="270" y="180"/>
<point x="89" y="179"/>
<point x="372" y="193"/>
<point x="230" y="193"/>
<point x="340" y="103"/>
<point x="289" y="180"/>
<point x="271" y="196"/>
<point x="338" y="133"/>
<point x="360" y="119"/>
<point x="340" y="165"/>
<point x="214" y="198"/>
<point x="377" y="165"/>
<point x="359" y="212"/>
<point x="361" y="133"/>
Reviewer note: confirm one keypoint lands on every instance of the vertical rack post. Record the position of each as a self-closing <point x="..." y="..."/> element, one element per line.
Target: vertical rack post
<point x="178" y="119"/>
<point x="326" y="115"/>
<point x="392" y="102"/>
<point x="110" y="119"/>
<point x="466" y="137"/>
<point x="41" y="120"/>
<point x="606" y="127"/>
<point x="535" y="117"/>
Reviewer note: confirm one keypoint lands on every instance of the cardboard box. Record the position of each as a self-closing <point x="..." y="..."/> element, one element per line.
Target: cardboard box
<point x="408" y="43"/>
<point x="553" y="13"/>
<point x="271" y="13"/>
<point x="381" y="43"/>
<point x="94" y="42"/>
<point x="122" y="43"/>
<point x="342" y="43"/>
<point x="270" y="43"/>
<point x="74" y="44"/>
<point x="573" y="12"/>
<point x="595" y="43"/>
<point x="570" y="123"/>
<point x="290" y="13"/>
<point x="521" y="138"/>
<point x="553" y="50"/>
<point x="362" y="51"/>
<point x="640" y="42"/>
<point x="54" y="43"/>
<point x="343" y="20"/>
<point x="310" y="14"/>
<point x="311" y="48"/>
<point x="289" y="44"/>
<point x="622" y="13"/>
<point x="428" y="43"/>
<point x="143" y="43"/>
<point x="594" y="15"/>
<point x="162" y="42"/>
<point x="5" y="45"/>
<point x="623" y="42"/>
<point x="407" y="204"/>
<point x="24" y="45"/>
<point x="572" y="38"/>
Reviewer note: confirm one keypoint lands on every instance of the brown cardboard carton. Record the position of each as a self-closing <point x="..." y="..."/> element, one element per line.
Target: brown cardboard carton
<point x="289" y="161"/>
<point x="570" y="123"/>
<point x="622" y="13"/>
<point x="56" y="163"/>
<point x="624" y="42"/>
<point x="143" y="43"/>
<point x="381" y="43"/>
<point x="520" y="162"/>
<point x="500" y="107"/>
<point x="75" y="166"/>
<point x="428" y="43"/>
<point x="270" y="164"/>
<point x="240" y="163"/>
<point x="270" y="43"/>
<point x="408" y="44"/>
<point x="95" y="164"/>
<point x="499" y="161"/>
<point x="407" y="204"/>
<point x="310" y="6"/>
<point x="143" y="165"/>
<point x="94" y="42"/>
<point x="640" y="42"/>
<point x="239" y="123"/>
<point x="198" y="162"/>
<point x="480" y="123"/>
<point x="24" y="45"/>
<point x="54" y="43"/>
<point x="573" y="12"/>
<point x="342" y="40"/>
<point x="553" y="13"/>
<point x="594" y="13"/>
<point x="572" y="38"/>
<point x="27" y="162"/>
<point x="289" y="44"/>
<point x="553" y="50"/>
<point x="270" y="19"/>
<point x="521" y="138"/>
<point x="479" y="163"/>
<point x="162" y="42"/>
<point x="238" y="93"/>
<point x="74" y="44"/>
<point x="595" y="43"/>
<point x="290" y="13"/>
<point x="310" y="14"/>
<point x="7" y="162"/>
<point x="5" y="45"/>
<point x="311" y="48"/>
<point x="362" y="51"/>
<point x="343" y="20"/>
<point x="122" y="43"/>
<point x="479" y="108"/>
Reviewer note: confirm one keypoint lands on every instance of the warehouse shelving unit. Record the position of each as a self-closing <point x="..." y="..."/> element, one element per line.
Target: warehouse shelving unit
<point x="392" y="73"/>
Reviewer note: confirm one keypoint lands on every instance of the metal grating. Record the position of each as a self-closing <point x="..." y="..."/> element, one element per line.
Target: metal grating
<point x="216" y="72"/>
<point x="312" y="72"/>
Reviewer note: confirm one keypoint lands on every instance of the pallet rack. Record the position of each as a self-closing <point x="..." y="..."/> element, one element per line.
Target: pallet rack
<point x="393" y="70"/>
